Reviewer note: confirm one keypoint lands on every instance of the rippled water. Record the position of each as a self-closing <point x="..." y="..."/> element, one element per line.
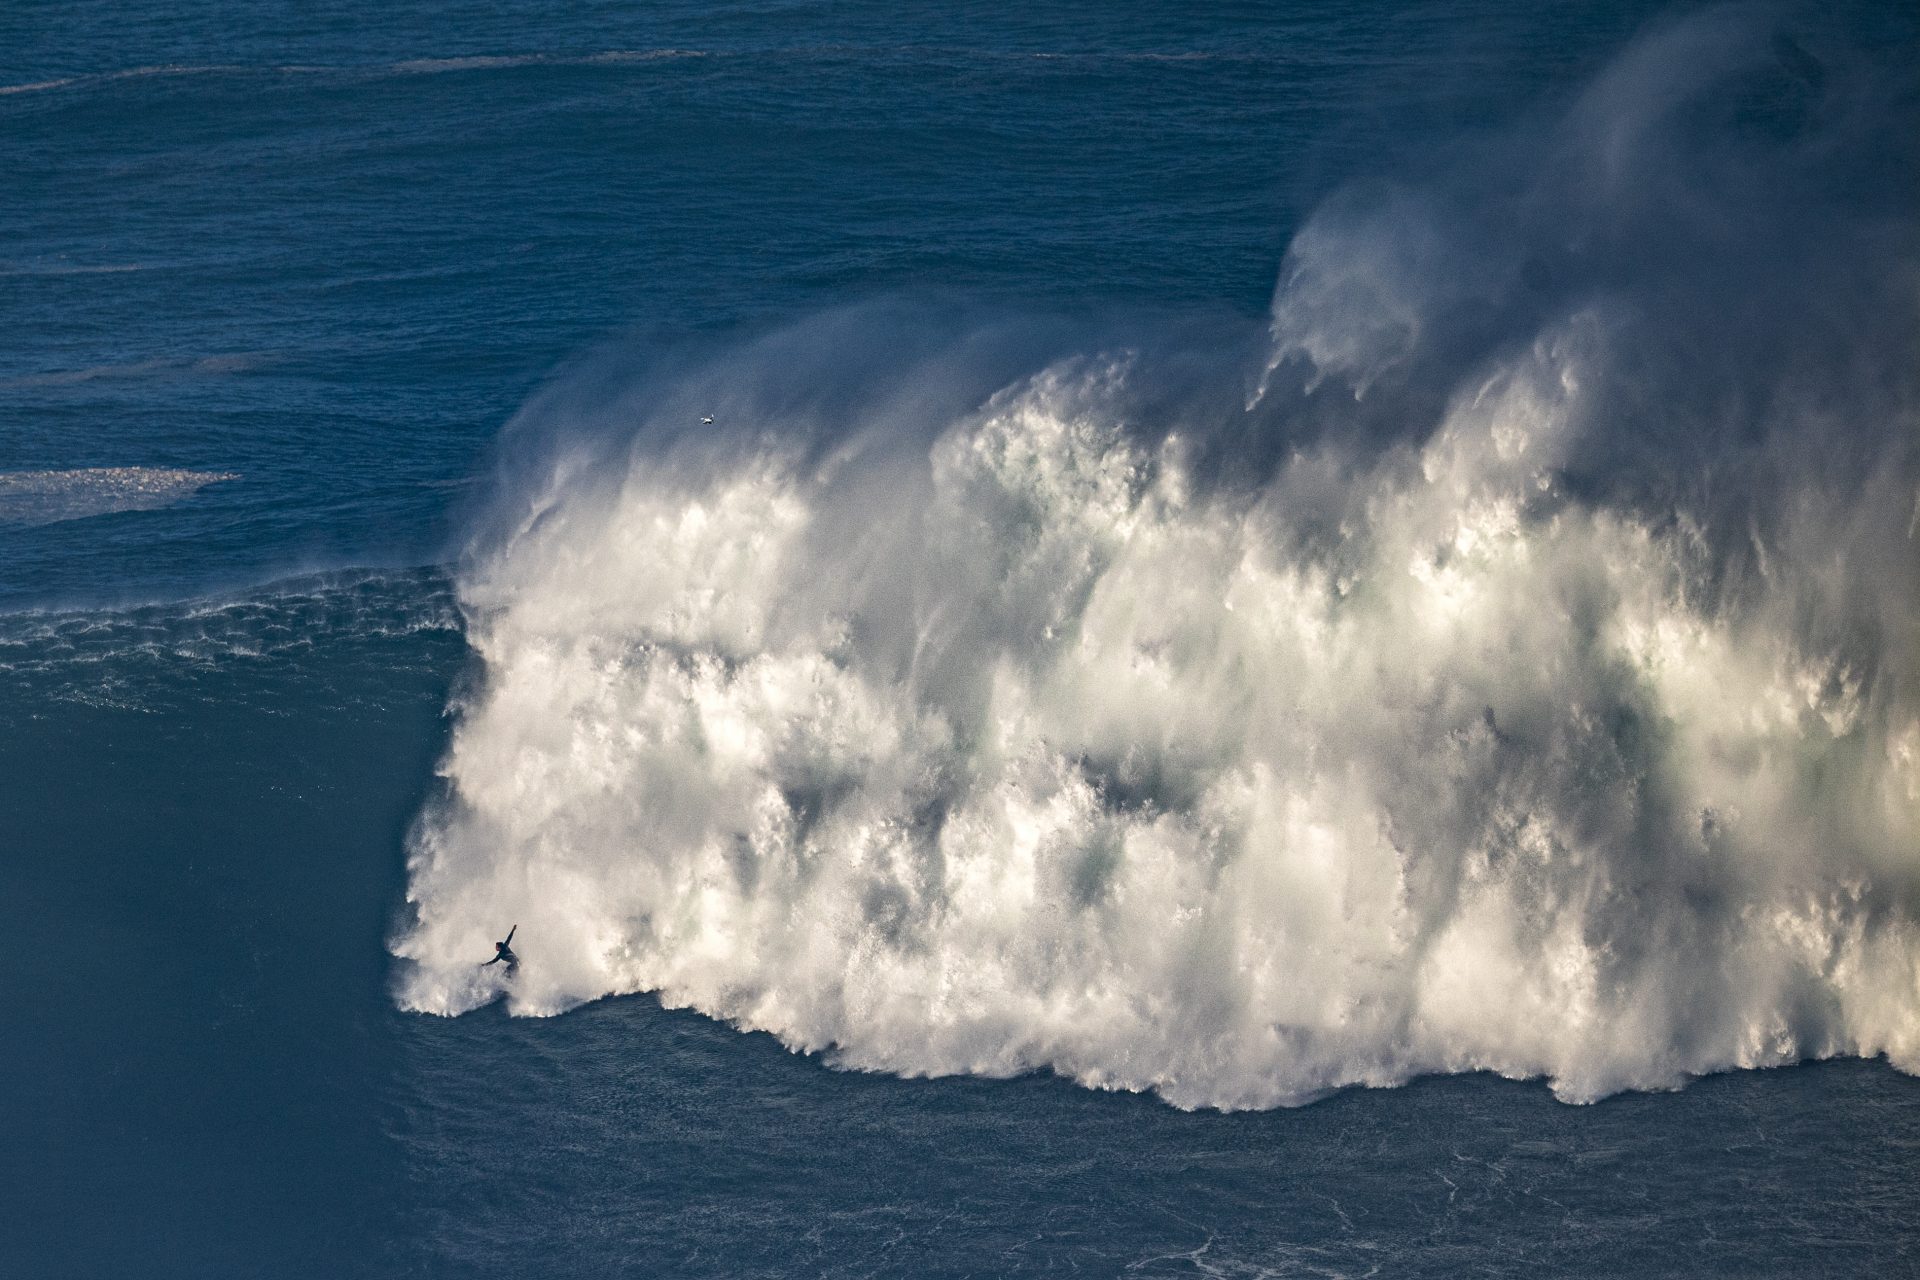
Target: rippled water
<point x="372" y="585"/>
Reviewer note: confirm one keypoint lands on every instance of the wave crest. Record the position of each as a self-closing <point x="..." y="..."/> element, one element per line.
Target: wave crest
<point x="1069" y="731"/>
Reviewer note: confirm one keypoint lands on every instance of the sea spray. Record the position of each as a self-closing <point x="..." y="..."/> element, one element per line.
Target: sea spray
<point x="1526" y="679"/>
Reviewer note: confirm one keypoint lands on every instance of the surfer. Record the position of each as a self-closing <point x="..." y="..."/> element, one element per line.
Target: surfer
<point x="502" y="951"/>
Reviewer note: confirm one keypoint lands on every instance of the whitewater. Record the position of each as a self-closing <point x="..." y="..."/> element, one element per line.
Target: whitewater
<point x="1506" y="658"/>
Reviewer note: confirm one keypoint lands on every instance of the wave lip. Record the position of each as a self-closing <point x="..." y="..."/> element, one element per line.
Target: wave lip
<point x="48" y="497"/>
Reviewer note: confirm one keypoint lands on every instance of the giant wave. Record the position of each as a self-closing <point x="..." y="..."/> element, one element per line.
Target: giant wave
<point x="1509" y="662"/>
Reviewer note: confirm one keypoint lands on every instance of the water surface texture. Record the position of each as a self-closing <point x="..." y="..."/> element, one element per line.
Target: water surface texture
<point x="1231" y="640"/>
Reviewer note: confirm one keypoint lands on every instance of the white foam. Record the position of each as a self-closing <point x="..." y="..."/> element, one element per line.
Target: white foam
<point x="1066" y="763"/>
<point x="1038" y="745"/>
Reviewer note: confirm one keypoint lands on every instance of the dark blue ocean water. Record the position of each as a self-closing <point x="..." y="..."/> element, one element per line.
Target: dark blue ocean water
<point x="331" y="250"/>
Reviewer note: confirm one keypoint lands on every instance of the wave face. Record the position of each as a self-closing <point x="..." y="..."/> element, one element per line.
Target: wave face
<point x="1524" y="676"/>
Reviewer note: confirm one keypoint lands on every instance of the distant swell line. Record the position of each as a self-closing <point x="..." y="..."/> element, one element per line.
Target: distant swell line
<point x="202" y="366"/>
<point x="617" y="57"/>
<point x="29" y="498"/>
<point x="131" y="73"/>
<point x="404" y="67"/>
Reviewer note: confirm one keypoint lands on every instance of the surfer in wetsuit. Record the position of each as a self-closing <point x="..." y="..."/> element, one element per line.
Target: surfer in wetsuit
<point x="502" y="951"/>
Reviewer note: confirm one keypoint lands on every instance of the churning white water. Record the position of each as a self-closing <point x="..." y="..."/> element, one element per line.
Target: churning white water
<point x="1567" y="725"/>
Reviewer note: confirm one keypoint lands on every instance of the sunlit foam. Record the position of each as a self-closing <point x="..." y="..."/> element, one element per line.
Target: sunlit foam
<point x="1020" y="739"/>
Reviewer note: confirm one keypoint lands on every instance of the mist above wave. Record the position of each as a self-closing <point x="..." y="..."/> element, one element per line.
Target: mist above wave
<point x="1524" y="677"/>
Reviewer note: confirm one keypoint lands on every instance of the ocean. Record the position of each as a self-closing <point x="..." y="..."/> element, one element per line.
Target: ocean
<point x="1245" y="640"/>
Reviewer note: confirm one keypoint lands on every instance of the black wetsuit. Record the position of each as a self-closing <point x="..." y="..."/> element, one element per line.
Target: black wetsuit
<point x="501" y="951"/>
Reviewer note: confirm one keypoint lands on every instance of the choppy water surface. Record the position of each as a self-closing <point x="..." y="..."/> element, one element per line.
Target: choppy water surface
<point x="1003" y="603"/>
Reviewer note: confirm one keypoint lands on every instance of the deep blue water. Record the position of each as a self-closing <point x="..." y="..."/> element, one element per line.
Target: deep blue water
<point x="332" y="250"/>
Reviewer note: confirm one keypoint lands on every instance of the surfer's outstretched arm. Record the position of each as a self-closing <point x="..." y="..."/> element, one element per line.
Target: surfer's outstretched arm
<point x="495" y="960"/>
<point x="510" y="933"/>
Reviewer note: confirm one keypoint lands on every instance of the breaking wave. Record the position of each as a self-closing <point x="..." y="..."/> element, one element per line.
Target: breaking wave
<point x="1508" y="659"/>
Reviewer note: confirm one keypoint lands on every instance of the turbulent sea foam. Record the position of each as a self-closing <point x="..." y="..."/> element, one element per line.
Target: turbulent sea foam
<point x="1511" y="664"/>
